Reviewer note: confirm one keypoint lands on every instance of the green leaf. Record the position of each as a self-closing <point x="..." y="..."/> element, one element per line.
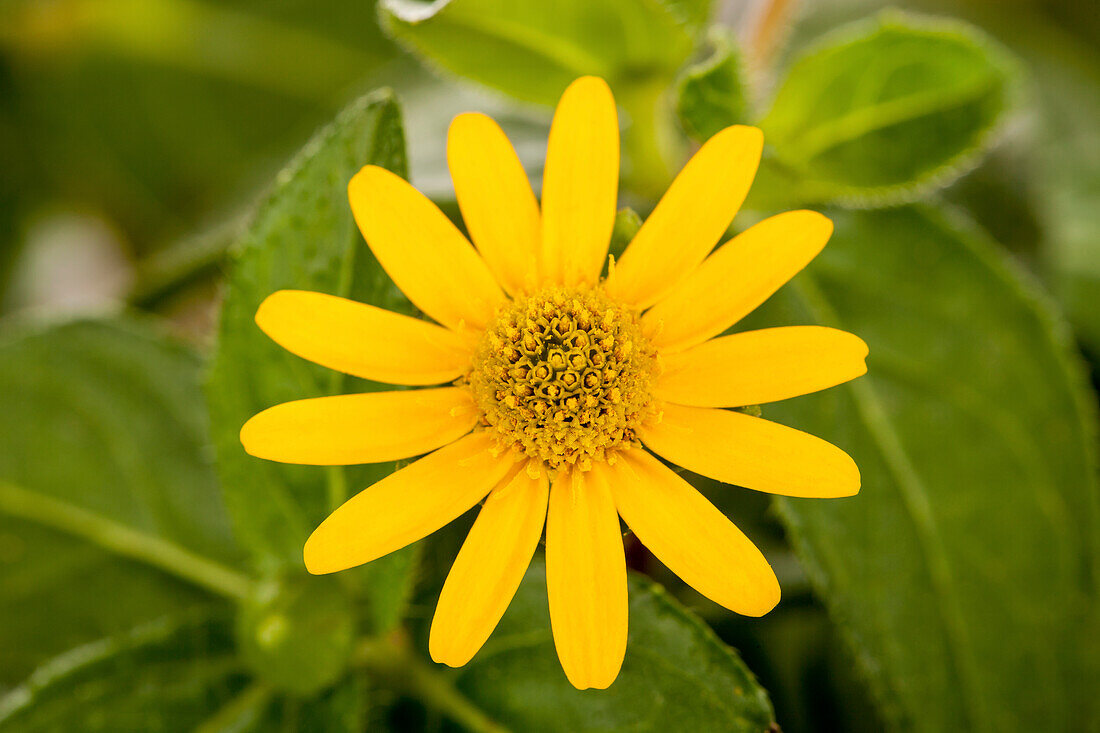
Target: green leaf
<point x="168" y="675"/>
<point x="882" y="112"/>
<point x="711" y="94"/>
<point x="677" y="674"/>
<point x="302" y="237"/>
<point x="965" y="573"/>
<point x="104" y="488"/>
<point x="533" y="50"/>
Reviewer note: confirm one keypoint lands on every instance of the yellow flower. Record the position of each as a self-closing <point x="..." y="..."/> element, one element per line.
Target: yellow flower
<point x="562" y="385"/>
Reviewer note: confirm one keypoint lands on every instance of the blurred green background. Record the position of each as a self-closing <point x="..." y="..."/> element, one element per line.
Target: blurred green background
<point x="136" y="138"/>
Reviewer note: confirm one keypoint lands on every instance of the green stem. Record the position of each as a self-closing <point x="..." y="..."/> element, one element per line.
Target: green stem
<point x="122" y="540"/>
<point x="389" y="660"/>
<point x="336" y="486"/>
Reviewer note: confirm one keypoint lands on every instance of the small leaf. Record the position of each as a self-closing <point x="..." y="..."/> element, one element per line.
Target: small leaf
<point x="533" y="50"/>
<point x="105" y="484"/>
<point x="711" y="95"/>
<point x="964" y="573"/>
<point x="882" y="112"/>
<point x="677" y="675"/>
<point x="302" y="237"/>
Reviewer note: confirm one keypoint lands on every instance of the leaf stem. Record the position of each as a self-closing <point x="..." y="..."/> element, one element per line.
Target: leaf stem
<point x="390" y="660"/>
<point x="123" y="540"/>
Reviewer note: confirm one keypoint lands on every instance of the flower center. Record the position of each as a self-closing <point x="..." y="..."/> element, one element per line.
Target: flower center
<point x="564" y="374"/>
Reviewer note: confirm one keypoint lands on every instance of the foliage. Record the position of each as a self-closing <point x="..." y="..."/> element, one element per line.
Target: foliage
<point x="924" y="574"/>
<point x="150" y="571"/>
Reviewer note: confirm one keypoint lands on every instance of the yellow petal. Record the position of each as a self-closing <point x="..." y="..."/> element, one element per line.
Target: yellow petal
<point x="756" y="367"/>
<point x="489" y="568"/>
<point x="689" y="219"/>
<point x="360" y="428"/>
<point x="407" y="505"/>
<point x="737" y="278"/>
<point x="690" y="536"/>
<point x="747" y="451"/>
<point x="496" y="200"/>
<point x="422" y="251"/>
<point x="359" y="339"/>
<point x="580" y="183"/>
<point x="586" y="578"/>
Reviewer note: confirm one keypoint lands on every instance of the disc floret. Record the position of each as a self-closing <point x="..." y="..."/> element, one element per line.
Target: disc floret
<point x="564" y="375"/>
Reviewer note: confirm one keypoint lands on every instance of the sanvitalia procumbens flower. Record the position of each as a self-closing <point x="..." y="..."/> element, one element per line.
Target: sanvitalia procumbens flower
<point x="562" y="385"/>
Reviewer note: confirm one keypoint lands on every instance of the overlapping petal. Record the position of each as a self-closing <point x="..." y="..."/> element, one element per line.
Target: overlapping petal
<point x="737" y="278"/>
<point x="756" y="367"/>
<point x="498" y="206"/>
<point x="690" y="536"/>
<point x="489" y="567"/>
<point x="580" y="184"/>
<point x="689" y="219"/>
<point x="586" y="578"/>
<point x="422" y="251"/>
<point x="360" y="428"/>
<point x="364" y="341"/>
<point x="408" y="505"/>
<point x="748" y="451"/>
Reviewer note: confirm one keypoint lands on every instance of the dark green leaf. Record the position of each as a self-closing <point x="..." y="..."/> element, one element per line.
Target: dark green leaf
<point x="965" y="572"/>
<point x="883" y="112"/>
<point x="302" y="237"/>
<point x="167" y="676"/>
<point x="677" y="674"/>
<point x="711" y="95"/>
<point x="532" y="51"/>
<point x="104" y="462"/>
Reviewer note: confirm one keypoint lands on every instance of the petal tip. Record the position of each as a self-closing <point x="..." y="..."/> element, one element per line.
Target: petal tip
<point x="313" y="556"/>
<point x="590" y="80"/>
<point x="467" y="120"/>
<point x="819" y="221"/>
<point x="592" y="88"/>
<point x="367" y="175"/>
<point x="269" y="309"/>
<point x="247" y="435"/>
<point x="441" y="653"/>
<point x="746" y="134"/>
<point x="593" y="680"/>
<point x="767" y="598"/>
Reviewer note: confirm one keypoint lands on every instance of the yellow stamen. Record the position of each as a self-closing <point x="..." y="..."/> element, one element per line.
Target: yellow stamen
<point x="564" y="375"/>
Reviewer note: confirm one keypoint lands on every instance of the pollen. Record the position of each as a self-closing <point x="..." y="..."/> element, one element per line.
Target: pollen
<point x="564" y="375"/>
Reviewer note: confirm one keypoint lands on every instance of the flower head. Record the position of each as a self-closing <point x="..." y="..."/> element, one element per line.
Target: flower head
<point x="562" y="385"/>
